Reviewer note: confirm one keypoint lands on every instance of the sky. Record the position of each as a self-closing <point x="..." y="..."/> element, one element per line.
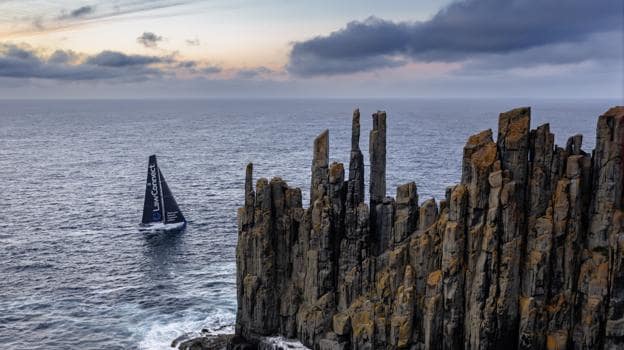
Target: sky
<point x="321" y="48"/>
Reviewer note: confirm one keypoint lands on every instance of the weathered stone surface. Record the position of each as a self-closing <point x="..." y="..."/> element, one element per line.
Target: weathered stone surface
<point x="384" y="225"/>
<point x="377" y="188"/>
<point x="428" y="213"/>
<point x="354" y="245"/>
<point x="204" y="342"/>
<point x="527" y="252"/>
<point x="536" y="266"/>
<point x="355" y="192"/>
<point x="513" y="144"/>
<point x="320" y="164"/>
<point x="377" y="151"/>
<point x="406" y="212"/>
<point x="453" y="273"/>
<point x="602" y="248"/>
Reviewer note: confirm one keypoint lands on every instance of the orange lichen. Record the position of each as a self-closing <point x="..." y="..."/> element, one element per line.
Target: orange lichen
<point x="434" y="278"/>
<point x="480" y="138"/>
<point x="485" y="156"/>
<point x="518" y="128"/>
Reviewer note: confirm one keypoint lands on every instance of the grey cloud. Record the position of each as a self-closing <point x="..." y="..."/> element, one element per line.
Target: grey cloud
<point x="307" y="65"/>
<point x="149" y="39"/>
<point x="78" y="13"/>
<point x="193" y="42"/>
<point x="118" y="59"/>
<point x="187" y="64"/>
<point x="460" y="31"/>
<point x="61" y="56"/>
<point x="40" y="18"/>
<point x="193" y="66"/>
<point x="604" y="47"/>
<point x="253" y="72"/>
<point x="81" y="11"/>
<point x="25" y="63"/>
<point x="211" y="70"/>
<point x="37" y="23"/>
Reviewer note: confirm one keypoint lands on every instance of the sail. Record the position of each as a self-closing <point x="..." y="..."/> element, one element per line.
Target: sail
<point x="153" y="205"/>
<point x="172" y="211"/>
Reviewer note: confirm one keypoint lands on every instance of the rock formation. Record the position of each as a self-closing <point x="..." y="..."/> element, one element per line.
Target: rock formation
<point x="527" y="252"/>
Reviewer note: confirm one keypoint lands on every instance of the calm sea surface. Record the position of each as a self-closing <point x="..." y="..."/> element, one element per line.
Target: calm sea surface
<point x="75" y="272"/>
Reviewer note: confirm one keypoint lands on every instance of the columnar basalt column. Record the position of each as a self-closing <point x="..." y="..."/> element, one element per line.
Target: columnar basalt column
<point x="483" y="185"/>
<point x="377" y="189"/>
<point x="354" y="247"/>
<point x="453" y="273"/>
<point x="406" y="213"/>
<point x="320" y="165"/>
<point x="536" y="269"/>
<point x="355" y="192"/>
<point x="513" y="146"/>
<point x="602" y="262"/>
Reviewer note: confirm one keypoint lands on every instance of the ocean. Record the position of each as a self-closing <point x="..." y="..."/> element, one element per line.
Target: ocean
<point x="76" y="272"/>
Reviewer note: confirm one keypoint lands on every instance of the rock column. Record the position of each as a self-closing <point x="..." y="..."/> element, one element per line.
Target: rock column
<point x="377" y="189"/>
<point x="601" y="269"/>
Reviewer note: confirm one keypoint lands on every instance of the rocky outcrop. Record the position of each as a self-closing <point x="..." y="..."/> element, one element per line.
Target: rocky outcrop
<point x="526" y="252"/>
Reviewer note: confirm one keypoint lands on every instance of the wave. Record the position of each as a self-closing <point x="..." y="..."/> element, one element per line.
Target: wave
<point x="160" y="334"/>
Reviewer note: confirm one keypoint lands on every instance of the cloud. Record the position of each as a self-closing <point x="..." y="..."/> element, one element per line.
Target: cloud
<point x="26" y="63"/>
<point x="195" y="67"/>
<point x="62" y="57"/>
<point x="118" y="59"/>
<point x="77" y="13"/>
<point x="605" y="48"/>
<point x="51" y="16"/>
<point x="192" y="42"/>
<point x="211" y="70"/>
<point x="149" y="39"/>
<point x="463" y="30"/>
<point x="251" y="73"/>
<point x="308" y="65"/>
<point x="81" y="11"/>
<point x="187" y="64"/>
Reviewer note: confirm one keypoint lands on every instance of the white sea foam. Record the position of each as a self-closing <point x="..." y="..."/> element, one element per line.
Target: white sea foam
<point x="159" y="335"/>
<point x="273" y="343"/>
<point x="161" y="227"/>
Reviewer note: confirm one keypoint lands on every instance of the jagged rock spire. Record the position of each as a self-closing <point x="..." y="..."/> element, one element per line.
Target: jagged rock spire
<point x="513" y="146"/>
<point x="249" y="192"/>
<point x="355" y="190"/>
<point x="355" y="130"/>
<point x="601" y="281"/>
<point x="377" y="150"/>
<point x="380" y="208"/>
<point x="320" y="164"/>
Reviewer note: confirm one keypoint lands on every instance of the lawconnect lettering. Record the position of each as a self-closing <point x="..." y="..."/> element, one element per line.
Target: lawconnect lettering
<point x="154" y="188"/>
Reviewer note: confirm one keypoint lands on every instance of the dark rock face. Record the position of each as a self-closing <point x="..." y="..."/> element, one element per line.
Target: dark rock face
<point x="527" y="252"/>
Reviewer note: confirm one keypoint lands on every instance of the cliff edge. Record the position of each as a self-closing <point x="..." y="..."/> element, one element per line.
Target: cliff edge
<point x="527" y="252"/>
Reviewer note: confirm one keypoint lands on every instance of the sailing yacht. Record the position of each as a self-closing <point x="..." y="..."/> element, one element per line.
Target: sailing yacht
<point x="160" y="210"/>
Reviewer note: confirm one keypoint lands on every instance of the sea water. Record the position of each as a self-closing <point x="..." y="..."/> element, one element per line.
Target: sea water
<point x="76" y="272"/>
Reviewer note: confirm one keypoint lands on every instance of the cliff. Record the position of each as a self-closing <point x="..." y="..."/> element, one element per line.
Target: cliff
<point x="526" y="252"/>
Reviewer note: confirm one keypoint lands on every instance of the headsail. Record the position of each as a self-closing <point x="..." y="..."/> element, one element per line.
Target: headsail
<point x="172" y="212"/>
<point x="153" y="205"/>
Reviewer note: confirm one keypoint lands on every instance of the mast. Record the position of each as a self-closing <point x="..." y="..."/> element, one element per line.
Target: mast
<point x="162" y="196"/>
